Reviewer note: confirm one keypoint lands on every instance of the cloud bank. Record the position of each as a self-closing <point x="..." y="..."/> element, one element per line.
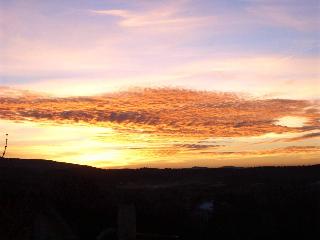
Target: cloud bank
<point x="165" y="111"/>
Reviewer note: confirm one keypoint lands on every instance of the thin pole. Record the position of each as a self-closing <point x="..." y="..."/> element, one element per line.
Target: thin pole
<point x="5" y="147"/>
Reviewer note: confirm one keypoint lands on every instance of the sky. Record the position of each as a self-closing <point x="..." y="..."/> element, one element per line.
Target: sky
<point x="161" y="83"/>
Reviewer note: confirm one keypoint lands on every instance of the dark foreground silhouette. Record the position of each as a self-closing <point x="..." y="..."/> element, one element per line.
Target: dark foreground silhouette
<point x="50" y="200"/>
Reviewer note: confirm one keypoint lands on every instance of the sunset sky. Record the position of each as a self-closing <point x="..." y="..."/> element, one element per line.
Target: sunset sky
<point x="161" y="83"/>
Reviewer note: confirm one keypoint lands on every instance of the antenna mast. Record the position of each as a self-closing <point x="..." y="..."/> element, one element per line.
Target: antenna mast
<point x="5" y="147"/>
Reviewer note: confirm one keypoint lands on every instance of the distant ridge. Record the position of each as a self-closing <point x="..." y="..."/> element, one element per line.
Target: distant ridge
<point x="35" y="163"/>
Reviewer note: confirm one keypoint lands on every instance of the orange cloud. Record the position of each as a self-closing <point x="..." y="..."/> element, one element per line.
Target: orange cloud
<point x="306" y="136"/>
<point x="164" y="111"/>
<point x="285" y="150"/>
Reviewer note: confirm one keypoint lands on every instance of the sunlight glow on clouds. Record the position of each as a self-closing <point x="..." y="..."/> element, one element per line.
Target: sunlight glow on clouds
<point x="165" y="111"/>
<point x="289" y="121"/>
<point x="163" y="127"/>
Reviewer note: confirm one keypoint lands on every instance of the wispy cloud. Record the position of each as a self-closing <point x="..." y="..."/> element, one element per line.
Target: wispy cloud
<point x="12" y="93"/>
<point x="170" y="16"/>
<point x="295" y="15"/>
<point x="209" y="45"/>
<point x="304" y="137"/>
<point x="283" y="150"/>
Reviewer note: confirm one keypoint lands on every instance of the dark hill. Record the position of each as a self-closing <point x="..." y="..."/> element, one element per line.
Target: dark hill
<point x="80" y="201"/>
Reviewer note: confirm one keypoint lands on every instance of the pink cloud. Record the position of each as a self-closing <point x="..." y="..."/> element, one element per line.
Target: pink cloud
<point x="169" y="16"/>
